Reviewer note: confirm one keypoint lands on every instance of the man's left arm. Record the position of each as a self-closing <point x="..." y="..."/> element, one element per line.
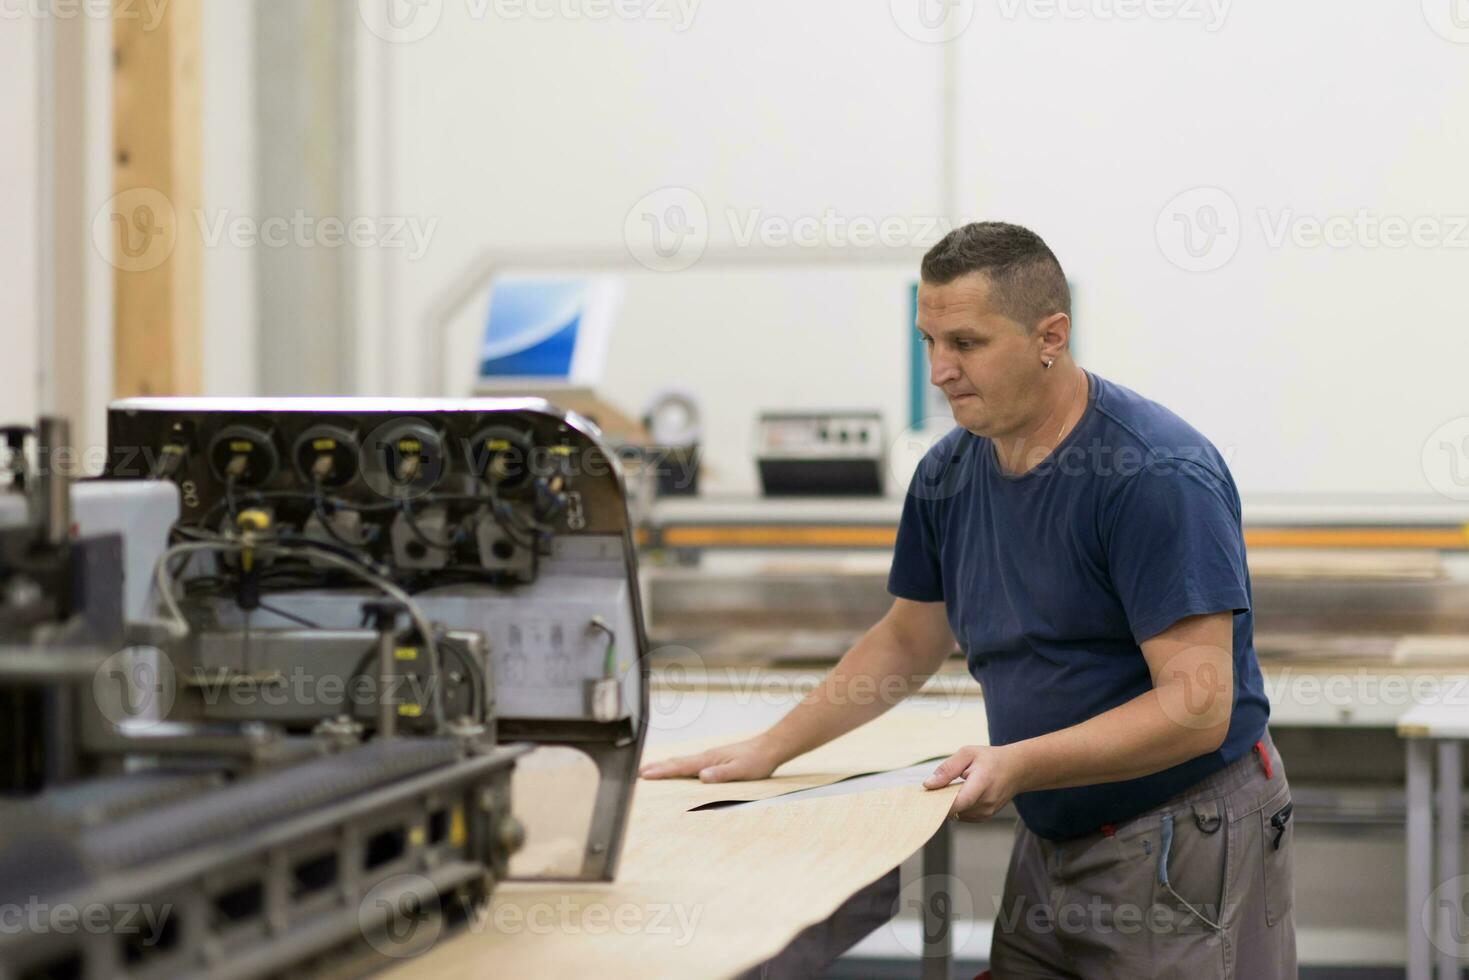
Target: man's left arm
<point x="1185" y="715"/>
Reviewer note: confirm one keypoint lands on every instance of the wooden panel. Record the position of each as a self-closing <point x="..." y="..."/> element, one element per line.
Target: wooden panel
<point x="710" y="893"/>
<point x="150" y="226"/>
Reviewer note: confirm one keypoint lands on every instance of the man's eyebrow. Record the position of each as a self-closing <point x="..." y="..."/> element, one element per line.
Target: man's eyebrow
<point x="953" y="332"/>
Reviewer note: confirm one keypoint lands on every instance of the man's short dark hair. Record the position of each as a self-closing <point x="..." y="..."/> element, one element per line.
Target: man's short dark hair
<point x="1026" y="280"/>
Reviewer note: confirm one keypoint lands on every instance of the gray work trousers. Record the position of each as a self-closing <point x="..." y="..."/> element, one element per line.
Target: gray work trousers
<point x="1218" y="904"/>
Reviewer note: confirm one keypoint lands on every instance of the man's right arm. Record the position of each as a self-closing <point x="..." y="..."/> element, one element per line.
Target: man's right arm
<point x="890" y="662"/>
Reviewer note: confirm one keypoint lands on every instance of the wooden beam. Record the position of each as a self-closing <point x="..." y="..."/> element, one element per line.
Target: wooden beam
<point x="150" y="224"/>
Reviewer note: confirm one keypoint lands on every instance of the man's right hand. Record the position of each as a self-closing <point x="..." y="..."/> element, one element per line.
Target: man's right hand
<point x="753" y="758"/>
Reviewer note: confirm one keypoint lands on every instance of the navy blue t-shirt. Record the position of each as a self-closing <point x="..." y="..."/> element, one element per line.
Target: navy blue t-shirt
<point x="1051" y="580"/>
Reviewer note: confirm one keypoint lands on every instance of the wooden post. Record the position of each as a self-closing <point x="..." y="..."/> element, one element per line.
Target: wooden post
<point x="150" y="227"/>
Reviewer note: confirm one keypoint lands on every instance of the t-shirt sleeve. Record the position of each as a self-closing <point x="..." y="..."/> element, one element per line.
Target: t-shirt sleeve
<point x="916" y="573"/>
<point x="1175" y="547"/>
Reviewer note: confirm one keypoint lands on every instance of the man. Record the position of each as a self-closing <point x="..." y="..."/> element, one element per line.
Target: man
<point x="1083" y="545"/>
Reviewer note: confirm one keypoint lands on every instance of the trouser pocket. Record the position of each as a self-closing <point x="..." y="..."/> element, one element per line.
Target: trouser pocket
<point x="1191" y="867"/>
<point x="1277" y="835"/>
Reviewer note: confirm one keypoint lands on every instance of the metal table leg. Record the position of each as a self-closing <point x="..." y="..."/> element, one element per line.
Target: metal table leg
<point x="938" y="904"/>
<point x="1420" y="855"/>
<point x="1450" y="829"/>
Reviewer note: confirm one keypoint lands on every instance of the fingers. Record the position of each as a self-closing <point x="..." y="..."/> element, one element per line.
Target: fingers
<point x="682" y="766"/>
<point x="968" y="794"/>
<point x="950" y="769"/>
<point x="722" y="772"/>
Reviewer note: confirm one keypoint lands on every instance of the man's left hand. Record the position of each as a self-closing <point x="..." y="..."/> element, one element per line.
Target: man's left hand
<point x="991" y="779"/>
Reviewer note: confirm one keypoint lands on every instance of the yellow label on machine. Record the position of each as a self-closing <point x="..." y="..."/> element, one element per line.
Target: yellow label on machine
<point x="497" y="444"/>
<point x="323" y="445"/>
<point x="241" y="446"/>
<point x="410" y="710"/>
<point x="405" y="653"/>
<point x="457" y="831"/>
<point x="409" y="445"/>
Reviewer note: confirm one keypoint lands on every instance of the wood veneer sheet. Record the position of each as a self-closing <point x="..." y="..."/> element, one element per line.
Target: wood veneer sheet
<point x="705" y="894"/>
<point x="908" y="734"/>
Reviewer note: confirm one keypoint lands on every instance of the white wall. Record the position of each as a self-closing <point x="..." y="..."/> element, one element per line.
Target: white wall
<point x="19" y="187"/>
<point x="1322" y="370"/>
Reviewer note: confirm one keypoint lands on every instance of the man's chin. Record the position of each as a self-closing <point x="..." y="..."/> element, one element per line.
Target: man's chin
<point x="970" y="414"/>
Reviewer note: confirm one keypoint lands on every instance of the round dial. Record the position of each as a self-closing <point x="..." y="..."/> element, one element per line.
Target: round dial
<point x="245" y="454"/>
<point x="502" y="458"/>
<point x="404" y="458"/>
<point x="326" y="454"/>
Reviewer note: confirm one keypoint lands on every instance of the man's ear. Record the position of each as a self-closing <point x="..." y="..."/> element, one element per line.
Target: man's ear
<point x="1054" y="333"/>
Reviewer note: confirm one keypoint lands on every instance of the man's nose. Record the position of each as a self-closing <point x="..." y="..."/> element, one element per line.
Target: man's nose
<point x="941" y="369"/>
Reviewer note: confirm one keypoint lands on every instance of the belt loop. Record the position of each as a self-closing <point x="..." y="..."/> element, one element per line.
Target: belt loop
<point x="1207" y="816"/>
<point x="1264" y="759"/>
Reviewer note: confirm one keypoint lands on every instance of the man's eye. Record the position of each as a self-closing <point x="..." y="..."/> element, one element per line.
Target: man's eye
<point x="963" y="345"/>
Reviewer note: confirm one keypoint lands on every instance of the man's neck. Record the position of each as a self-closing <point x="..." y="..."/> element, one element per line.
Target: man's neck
<point x="1064" y="405"/>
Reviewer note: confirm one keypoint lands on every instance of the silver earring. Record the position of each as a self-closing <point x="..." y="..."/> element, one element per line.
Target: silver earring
<point x="1048" y="364"/>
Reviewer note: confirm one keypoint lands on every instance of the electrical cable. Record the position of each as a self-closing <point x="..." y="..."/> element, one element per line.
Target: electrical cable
<point x="180" y="625"/>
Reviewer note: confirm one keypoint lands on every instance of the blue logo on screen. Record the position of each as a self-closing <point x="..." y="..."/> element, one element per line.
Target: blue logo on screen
<point x="532" y="328"/>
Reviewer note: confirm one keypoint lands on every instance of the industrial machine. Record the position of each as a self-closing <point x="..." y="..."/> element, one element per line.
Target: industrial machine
<point x="821" y="454"/>
<point x="278" y="714"/>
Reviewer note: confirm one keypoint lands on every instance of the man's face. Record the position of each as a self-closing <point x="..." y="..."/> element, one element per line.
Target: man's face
<point x="987" y="365"/>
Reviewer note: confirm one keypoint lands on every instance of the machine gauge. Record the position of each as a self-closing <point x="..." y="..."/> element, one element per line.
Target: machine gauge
<point x="328" y="455"/>
<point x="243" y="454"/>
